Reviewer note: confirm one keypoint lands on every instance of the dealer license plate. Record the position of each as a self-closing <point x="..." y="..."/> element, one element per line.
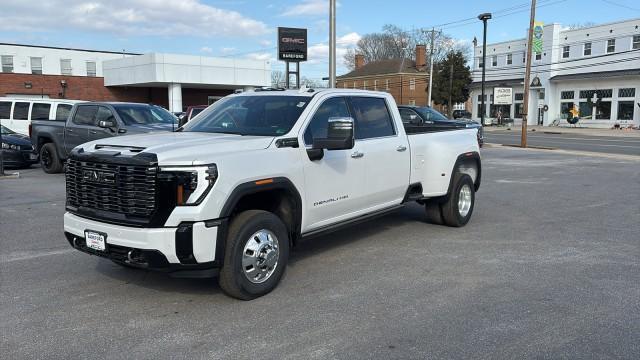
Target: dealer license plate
<point x="33" y="157"/>
<point x="95" y="241"/>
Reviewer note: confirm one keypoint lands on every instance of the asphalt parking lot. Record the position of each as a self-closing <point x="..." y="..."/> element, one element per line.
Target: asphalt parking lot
<point x="548" y="267"/>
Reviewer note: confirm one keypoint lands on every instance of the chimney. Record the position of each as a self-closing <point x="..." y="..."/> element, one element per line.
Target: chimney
<point x="421" y="56"/>
<point x="359" y="61"/>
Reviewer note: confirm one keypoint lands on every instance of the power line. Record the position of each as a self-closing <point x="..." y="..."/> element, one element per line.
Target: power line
<point x="621" y="5"/>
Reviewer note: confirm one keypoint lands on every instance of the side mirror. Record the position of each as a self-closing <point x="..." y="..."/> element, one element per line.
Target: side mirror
<point x="107" y="124"/>
<point x="339" y="135"/>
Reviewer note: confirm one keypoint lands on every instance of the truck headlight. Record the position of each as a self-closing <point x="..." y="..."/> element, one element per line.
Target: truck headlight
<point x="10" y="146"/>
<point x="191" y="183"/>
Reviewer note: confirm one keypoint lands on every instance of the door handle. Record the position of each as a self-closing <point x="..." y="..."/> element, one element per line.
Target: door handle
<point x="357" y="154"/>
<point x="69" y="130"/>
<point x="93" y="132"/>
<point x="401" y="148"/>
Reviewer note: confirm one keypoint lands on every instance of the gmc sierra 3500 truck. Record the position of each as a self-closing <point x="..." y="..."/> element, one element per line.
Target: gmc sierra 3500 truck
<point x="231" y="192"/>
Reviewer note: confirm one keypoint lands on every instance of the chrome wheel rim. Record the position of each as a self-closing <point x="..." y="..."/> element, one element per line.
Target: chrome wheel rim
<point x="260" y="256"/>
<point x="464" y="200"/>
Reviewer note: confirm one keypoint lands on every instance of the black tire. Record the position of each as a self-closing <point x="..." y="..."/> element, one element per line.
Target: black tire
<point x="49" y="159"/>
<point x="450" y="212"/>
<point x="433" y="211"/>
<point x="233" y="280"/>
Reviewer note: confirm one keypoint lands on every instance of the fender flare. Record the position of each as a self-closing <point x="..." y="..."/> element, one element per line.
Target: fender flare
<point x="473" y="155"/>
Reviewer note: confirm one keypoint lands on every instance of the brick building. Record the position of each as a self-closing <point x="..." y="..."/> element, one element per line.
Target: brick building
<point x="170" y="80"/>
<point x="406" y="80"/>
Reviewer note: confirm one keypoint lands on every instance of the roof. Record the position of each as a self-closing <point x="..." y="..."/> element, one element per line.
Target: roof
<point x="597" y="75"/>
<point x="72" y="49"/>
<point x="385" y="67"/>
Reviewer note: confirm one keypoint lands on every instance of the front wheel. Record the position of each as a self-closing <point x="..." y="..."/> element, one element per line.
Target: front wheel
<point x="256" y="254"/>
<point x="457" y="210"/>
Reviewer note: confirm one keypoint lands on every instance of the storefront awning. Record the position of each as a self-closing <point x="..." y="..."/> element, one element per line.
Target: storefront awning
<point x="597" y="75"/>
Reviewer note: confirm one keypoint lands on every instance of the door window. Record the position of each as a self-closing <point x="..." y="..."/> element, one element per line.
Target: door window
<point x="331" y="108"/>
<point x="372" y="118"/>
<point x="5" y="109"/>
<point x="40" y="111"/>
<point x="104" y="114"/>
<point x="85" y="115"/>
<point x="21" y="111"/>
<point x="409" y="116"/>
<point x="62" y="112"/>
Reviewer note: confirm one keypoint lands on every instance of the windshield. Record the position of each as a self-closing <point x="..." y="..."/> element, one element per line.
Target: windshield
<point x="144" y="114"/>
<point x="430" y="115"/>
<point x="5" y="131"/>
<point x="250" y="115"/>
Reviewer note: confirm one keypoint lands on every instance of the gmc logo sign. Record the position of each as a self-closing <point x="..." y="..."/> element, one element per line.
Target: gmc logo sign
<point x="95" y="176"/>
<point x="292" y="44"/>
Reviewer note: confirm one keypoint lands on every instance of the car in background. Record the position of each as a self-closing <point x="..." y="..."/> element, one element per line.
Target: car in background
<point x="425" y="116"/>
<point x="461" y="114"/>
<point x="89" y="121"/>
<point x="16" y="114"/>
<point x="191" y="112"/>
<point x="17" y="151"/>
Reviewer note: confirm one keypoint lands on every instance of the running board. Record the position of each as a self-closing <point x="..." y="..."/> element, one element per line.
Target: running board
<point x="359" y="219"/>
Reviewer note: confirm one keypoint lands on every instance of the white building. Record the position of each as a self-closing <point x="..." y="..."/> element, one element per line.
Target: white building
<point x="164" y="79"/>
<point x="573" y="66"/>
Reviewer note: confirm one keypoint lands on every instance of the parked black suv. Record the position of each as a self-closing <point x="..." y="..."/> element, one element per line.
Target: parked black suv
<point x="415" y="116"/>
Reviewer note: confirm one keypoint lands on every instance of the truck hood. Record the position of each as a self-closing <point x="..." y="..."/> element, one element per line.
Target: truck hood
<point x="177" y="148"/>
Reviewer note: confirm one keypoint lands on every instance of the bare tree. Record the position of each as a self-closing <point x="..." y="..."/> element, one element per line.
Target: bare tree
<point x="586" y="24"/>
<point x="277" y="79"/>
<point x="394" y="42"/>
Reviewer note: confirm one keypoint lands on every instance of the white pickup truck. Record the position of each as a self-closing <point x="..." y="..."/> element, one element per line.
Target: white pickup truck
<point x="232" y="191"/>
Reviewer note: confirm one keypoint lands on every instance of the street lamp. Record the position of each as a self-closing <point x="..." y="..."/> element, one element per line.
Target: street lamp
<point x="484" y="17"/>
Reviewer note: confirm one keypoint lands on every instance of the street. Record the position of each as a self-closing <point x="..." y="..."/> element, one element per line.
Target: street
<point x="548" y="267"/>
<point x="602" y="144"/>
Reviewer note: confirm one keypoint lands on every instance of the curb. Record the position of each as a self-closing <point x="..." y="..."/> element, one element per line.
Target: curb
<point x="567" y="152"/>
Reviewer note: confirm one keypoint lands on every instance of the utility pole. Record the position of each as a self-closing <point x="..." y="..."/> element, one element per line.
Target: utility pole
<point x="332" y="43"/>
<point x="484" y="17"/>
<point x="433" y="41"/>
<point x="527" y="78"/>
<point x="450" y="88"/>
<point x="1" y="155"/>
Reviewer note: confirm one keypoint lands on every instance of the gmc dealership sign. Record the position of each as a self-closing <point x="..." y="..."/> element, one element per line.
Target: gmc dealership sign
<point x="292" y="44"/>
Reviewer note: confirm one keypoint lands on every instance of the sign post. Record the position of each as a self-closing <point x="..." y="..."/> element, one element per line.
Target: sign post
<point x="292" y="48"/>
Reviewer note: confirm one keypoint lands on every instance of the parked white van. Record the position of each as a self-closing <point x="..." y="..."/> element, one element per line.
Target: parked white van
<point x="16" y="114"/>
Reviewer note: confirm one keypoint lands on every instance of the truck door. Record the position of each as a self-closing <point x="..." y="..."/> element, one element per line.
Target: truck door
<point x="76" y="131"/>
<point x="96" y="132"/>
<point x="333" y="185"/>
<point x="385" y="151"/>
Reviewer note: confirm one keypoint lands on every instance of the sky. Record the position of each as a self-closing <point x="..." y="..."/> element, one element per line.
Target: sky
<point x="247" y="28"/>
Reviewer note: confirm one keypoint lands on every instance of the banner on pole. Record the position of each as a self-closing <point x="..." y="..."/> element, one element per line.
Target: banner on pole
<point x="538" y="32"/>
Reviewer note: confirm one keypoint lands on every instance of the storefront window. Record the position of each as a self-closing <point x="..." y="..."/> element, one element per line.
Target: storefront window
<point x="603" y="110"/>
<point x="518" y="111"/>
<point x="564" y="109"/>
<point x="586" y="109"/>
<point x="505" y="111"/>
<point x="625" y="110"/>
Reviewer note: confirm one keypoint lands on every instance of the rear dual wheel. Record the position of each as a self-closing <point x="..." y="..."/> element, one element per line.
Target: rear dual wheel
<point x="457" y="209"/>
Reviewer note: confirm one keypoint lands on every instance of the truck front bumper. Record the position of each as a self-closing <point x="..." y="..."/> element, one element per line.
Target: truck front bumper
<point x="190" y="250"/>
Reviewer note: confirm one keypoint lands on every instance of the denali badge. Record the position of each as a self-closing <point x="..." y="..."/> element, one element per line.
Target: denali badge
<point x="99" y="176"/>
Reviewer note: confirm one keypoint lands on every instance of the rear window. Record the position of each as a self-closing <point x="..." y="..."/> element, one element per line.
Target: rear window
<point x="40" y="111"/>
<point x="195" y="112"/>
<point x="373" y="118"/>
<point x="21" y="111"/>
<point x="62" y="112"/>
<point x="5" y="109"/>
<point x="85" y="115"/>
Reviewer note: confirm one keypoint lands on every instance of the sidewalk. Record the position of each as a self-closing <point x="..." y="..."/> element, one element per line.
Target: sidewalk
<point x="567" y="130"/>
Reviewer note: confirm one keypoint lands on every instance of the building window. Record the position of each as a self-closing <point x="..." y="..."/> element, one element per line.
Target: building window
<point x="586" y="109"/>
<point x="636" y="42"/>
<point x="412" y="84"/>
<point x="375" y="85"/>
<point x="36" y="65"/>
<point x="588" y="94"/>
<point x="567" y="95"/>
<point x="480" y="63"/>
<point x="344" y="84"/>
<point x="611" y="46"/>
<point x="538" y="56"/>
<point x="494" y="60"/>
<point x="65" y="66"/>
<point x="7" y="63"/>
<point x="364" y="85"/>
<point x="565" y="52"/>
<point x="91" y="68"/>
<point x="386" y="84"/>
<point x="587" y="49"/>
<point x="625" y="110"/>
<point x="519" y="96"/>
<point x="603" y="110"/>
<point x="509" y="59"/>
<point x="627" y="92"/>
